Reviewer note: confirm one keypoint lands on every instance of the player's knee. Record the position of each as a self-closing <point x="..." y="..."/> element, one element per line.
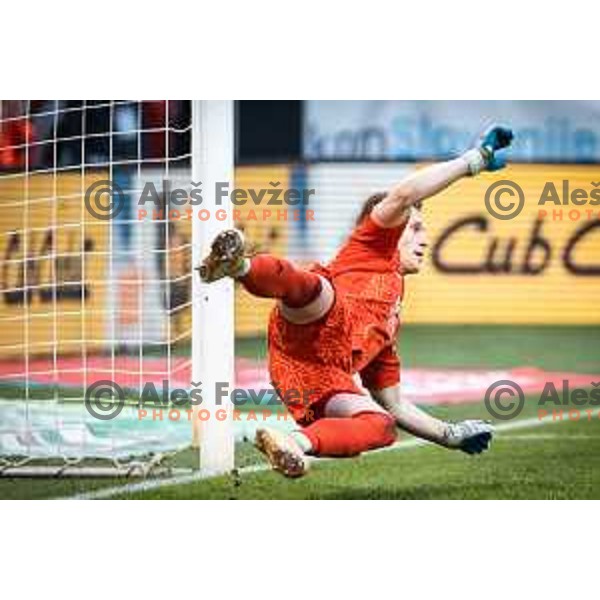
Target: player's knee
<point x="383" y="428"/>
<point x="389" y="432"/>
<point x="308" y="303"/>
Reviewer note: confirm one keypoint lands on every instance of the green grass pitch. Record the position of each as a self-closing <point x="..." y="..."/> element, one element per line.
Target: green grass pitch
<point x="552" y="460"/>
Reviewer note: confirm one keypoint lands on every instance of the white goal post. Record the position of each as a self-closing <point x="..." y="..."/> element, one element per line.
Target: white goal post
<point x="212" y="305"/>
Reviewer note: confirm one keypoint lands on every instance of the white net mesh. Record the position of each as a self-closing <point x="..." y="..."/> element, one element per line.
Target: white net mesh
<point x="92" y="294"/>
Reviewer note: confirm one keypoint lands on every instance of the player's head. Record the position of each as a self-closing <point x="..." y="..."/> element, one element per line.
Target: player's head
<point x="413" y="242"/>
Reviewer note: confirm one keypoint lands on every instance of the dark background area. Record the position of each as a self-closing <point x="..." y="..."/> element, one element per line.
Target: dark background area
<point x="269" y="131"/>
<point x="67" y="133"/>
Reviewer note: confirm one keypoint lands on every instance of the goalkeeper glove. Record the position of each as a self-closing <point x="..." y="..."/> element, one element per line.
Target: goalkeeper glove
<point x="471" y="436"/>
<point x="490" y="151"/>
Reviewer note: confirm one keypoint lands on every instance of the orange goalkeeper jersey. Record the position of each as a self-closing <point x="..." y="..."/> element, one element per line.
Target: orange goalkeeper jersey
<point x="365" y="273"/>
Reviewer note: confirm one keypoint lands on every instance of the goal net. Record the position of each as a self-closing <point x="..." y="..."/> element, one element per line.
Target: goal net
<point x="99" y="304"/>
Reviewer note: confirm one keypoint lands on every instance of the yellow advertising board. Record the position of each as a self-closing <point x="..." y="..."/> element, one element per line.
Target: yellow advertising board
<point x="54" y="256"/>
<point x="540" y="267"/>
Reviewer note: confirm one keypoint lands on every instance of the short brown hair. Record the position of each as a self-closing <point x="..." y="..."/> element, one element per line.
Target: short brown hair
<point x="369" y="204"/>
<point x="372" y="201"/>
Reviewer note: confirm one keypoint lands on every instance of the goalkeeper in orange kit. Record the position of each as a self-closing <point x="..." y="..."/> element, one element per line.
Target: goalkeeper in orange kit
<point x="333" y="331"/>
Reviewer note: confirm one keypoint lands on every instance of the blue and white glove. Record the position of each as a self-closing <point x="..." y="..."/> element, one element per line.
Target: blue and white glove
<point x="490" y="151"/>
<point x="471" y="436"/>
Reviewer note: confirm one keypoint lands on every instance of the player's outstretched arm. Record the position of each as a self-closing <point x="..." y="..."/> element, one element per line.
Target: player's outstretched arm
<point x="470" y="436"/>
<point x="429" y="181"/>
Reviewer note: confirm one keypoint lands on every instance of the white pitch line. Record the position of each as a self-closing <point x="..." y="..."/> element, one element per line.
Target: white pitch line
<point x="144" y="486"/>
<point x="540" y="437"/>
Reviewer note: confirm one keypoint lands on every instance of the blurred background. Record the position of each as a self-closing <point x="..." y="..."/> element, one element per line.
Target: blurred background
<point x="527" y="271"/>
<point x="484" y="271"/>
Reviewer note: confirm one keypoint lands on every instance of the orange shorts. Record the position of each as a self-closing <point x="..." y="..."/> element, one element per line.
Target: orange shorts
<point x="310" y="363"/>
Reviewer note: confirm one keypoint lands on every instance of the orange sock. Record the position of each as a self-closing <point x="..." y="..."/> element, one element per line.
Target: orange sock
<point x="271" y="277"/>
<point x="350" y="436"/>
